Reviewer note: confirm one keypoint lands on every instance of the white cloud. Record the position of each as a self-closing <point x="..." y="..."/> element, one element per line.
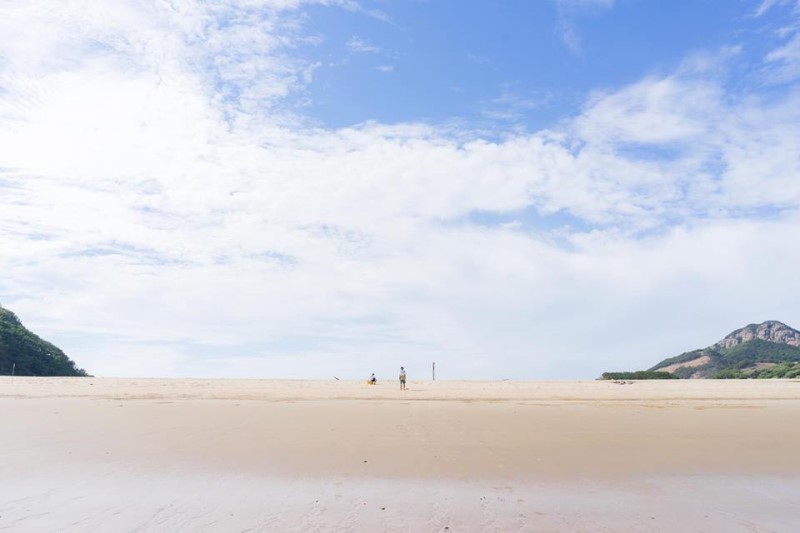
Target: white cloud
<point x="766" y="5"/>
<point x="161" y="212"/>
<point x="783" y="62"/>
<point x="787" y="59"/>
<point x="567" y="9"/>
<point x="360" y="46"/>
<point x="571" y="38"/>
<point x="512" y="104"/>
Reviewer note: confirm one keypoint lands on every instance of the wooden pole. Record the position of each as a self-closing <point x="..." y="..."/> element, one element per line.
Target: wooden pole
<point x="433" y="370"/>
<point x="13" y="369"/>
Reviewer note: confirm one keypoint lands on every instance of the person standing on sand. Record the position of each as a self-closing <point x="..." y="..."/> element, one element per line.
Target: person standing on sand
<point x="402" y="378"/>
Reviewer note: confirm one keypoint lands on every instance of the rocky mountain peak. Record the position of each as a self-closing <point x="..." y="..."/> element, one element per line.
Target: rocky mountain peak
<point x="771" y="330"/>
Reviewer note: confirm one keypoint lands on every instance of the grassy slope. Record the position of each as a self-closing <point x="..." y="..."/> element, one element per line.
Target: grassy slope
<point x="730" y="361"/>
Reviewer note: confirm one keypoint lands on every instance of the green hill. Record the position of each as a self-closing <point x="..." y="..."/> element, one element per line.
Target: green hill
<point x="742" y="360"/>
<point x="767" y="350"/>
<point x="31" y="355"/>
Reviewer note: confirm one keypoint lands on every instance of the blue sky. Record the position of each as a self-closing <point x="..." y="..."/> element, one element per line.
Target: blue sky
<point x="286" y="188"/>
<point x="508" y="63"/>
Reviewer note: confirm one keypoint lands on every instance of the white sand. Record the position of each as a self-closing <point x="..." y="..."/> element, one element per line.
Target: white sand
<point x="248" y="455"/>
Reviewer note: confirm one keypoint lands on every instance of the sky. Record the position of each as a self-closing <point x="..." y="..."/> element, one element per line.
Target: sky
<point x="513" y="189"/>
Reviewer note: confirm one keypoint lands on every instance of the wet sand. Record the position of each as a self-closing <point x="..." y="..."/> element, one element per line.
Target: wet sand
<point x="97" y="454"/>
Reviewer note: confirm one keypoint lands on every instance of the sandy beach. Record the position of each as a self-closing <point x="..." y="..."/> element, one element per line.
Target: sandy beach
<point x="92" y="454"/>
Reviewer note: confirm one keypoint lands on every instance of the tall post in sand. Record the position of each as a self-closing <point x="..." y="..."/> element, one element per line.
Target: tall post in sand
<point x="13" y="369"/>
<point x="433" y="370"/>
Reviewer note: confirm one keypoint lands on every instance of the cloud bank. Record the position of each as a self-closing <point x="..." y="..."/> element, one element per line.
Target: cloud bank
<point x="166" y="209"/>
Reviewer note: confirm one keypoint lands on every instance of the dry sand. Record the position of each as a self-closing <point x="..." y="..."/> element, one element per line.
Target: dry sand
<point x="96" y="454"/>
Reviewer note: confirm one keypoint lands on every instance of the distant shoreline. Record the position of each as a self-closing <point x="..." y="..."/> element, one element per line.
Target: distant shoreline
<point x="440" y="390"/>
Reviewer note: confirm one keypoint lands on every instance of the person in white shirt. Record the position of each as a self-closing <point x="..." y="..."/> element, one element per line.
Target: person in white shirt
<point x="402" y="378"/>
